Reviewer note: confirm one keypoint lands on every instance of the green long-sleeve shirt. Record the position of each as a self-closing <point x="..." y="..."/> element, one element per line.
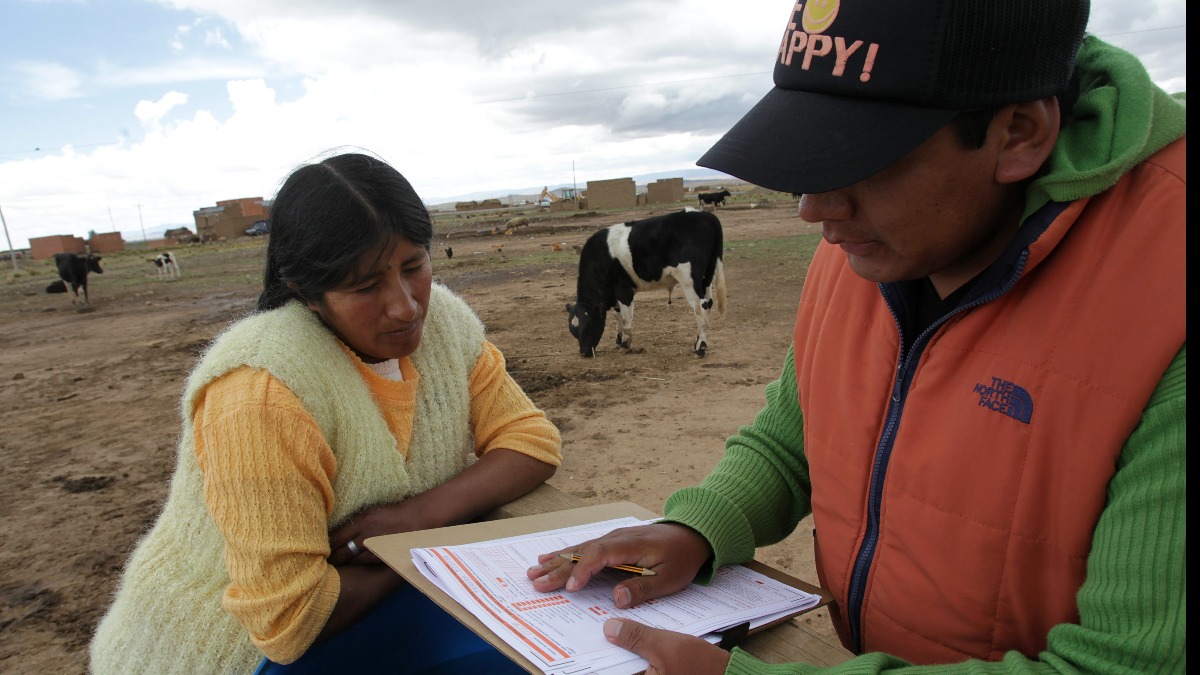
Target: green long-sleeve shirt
<point x="1133" y="606"/>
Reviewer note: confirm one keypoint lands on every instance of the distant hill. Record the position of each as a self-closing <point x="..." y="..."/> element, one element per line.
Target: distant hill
<point x="691" y="178"/>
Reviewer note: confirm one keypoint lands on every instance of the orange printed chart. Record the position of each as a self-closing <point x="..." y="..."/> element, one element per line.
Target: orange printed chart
<point x="484" y="583"/>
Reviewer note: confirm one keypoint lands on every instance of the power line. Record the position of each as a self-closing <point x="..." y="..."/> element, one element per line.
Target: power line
<point x="1144" y="30"/>
<point x="61" y="147"/>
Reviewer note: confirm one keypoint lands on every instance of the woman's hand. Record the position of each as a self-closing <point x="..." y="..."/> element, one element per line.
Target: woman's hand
<point x="666" y="651"/>
<point x="498" y="477"/>
<point x="675" y="553"/>
<point x="402" y="516"/>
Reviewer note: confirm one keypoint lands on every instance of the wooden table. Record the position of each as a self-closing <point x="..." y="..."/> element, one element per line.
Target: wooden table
<point x="788" y="642"/>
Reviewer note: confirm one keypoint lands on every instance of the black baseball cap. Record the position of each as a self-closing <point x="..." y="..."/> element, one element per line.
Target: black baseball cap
<point x="861" y="83"/>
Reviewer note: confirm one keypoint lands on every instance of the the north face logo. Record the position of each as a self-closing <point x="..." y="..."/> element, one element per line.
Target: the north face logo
<point x="1005" y="397"/>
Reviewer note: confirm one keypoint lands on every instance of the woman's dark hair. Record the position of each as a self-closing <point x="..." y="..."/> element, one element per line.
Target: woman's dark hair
<point x="327" y="215"/>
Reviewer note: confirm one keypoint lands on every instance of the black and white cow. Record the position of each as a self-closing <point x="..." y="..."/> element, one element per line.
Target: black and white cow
<point x="73" y="269"/>
<point x="168" y="266"/>
<point x="713" y="198"/>
<point x="683" y="248"/>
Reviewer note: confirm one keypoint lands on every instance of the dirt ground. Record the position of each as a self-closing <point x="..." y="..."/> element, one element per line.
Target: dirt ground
<point x="88" y="401"/>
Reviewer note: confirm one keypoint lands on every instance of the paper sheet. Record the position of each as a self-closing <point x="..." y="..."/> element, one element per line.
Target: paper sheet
<point x="561" y="632"/>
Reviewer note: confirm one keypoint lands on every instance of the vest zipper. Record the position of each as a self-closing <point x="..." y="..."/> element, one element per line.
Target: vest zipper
<point x="883" y="451"/>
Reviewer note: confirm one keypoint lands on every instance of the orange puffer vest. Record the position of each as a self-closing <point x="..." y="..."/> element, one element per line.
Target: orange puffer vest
<point x="955" y="498"/>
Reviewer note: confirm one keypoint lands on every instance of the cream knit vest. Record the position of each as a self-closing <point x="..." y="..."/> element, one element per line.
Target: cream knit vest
<point x="167" y="615"/>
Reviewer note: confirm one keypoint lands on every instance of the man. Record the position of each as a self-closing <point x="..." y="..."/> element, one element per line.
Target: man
<point x="983" y="406"/>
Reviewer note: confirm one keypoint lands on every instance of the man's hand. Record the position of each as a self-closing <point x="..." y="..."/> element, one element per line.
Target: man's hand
<point x="674" y="552"/>
<point x="666" y="651"/>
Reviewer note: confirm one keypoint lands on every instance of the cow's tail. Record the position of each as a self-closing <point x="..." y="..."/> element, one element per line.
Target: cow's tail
<point x="718" y="287"/>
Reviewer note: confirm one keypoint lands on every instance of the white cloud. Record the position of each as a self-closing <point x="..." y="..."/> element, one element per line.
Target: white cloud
<point x="150" y="113"/>
<point x="191" y="69"/>
<point x="47" y="81"/>
<point x="460" y="96"/>
<point x="213" y="38"/>
<point x="181" y="33"/>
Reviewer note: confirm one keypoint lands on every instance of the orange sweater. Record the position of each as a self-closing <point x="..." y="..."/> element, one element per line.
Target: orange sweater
<point x="281" y="588"/>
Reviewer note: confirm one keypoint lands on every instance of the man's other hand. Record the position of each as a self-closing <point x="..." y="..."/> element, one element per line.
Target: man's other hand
<point x="668" y="653"/>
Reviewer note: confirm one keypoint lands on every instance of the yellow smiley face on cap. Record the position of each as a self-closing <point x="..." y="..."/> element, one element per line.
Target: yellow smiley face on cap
<point x="819" y="14"/>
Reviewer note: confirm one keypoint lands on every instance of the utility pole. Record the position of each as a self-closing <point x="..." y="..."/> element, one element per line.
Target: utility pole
<point x="12" y="255"/>
<point x="575" y="185"/>
<point x="144" y="237"/>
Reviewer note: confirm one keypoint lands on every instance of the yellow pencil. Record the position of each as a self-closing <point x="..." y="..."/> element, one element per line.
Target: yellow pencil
<point x="624" y="568"/>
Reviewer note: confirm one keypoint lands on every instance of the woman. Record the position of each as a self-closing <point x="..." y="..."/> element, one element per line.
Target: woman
<point x="361" y="399"/>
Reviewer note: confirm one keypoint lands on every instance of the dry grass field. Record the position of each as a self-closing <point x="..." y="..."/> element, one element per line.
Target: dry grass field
<point x="88" y="401"/>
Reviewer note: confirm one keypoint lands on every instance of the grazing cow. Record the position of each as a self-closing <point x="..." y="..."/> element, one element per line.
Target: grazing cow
<point x="73" y="269"/>
<point x="713" y="198"/>
<point x="682" y="248"/>
<point x="167" y="264"/>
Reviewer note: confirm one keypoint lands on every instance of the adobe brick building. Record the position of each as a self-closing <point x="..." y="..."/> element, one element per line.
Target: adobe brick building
<point x="106" y="242"/>
<point x="42" y="248"/>
<point x="476" y="206"/>
<point x="615" y="193"/>
<point x="665" y="191"/>
<point x="181" y="235"/>
<point x="230" y="218"/>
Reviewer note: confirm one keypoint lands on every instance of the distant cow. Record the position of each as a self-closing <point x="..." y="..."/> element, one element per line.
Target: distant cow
<point x="168" y="266"/>
<point x="713" y="198"/>
<point x="73" y="269"/>
<point x="681" y="248"/>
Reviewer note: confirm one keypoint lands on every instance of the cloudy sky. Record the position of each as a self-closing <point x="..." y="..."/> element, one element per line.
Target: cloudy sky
<point x="130" y="114"/>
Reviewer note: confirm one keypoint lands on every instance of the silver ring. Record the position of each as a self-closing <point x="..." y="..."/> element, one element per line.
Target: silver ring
<point x="353" y="547"/>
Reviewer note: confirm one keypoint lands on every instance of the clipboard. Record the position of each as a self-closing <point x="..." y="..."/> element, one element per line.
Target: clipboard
<point x="394" y="549"/>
